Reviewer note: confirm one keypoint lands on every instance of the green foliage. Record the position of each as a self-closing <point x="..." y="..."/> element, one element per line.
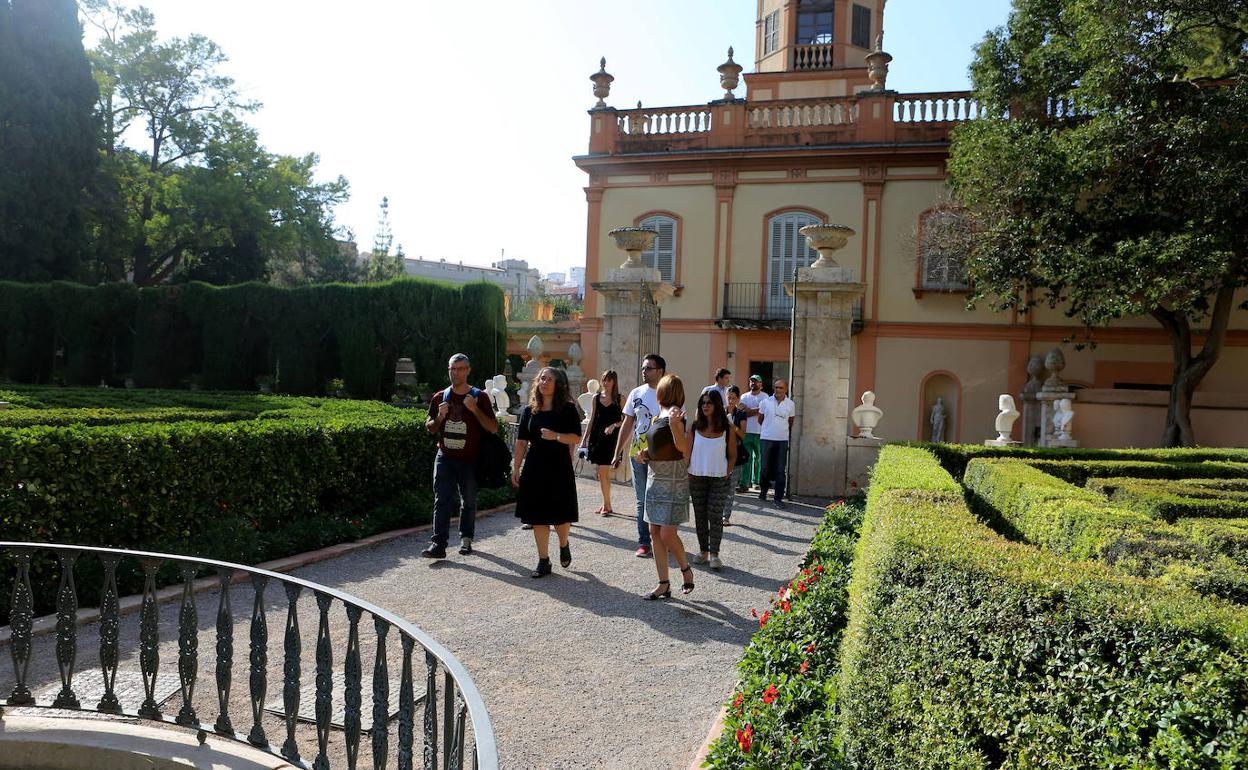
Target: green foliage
<point x="1097" y="137"/>
<point x="954" y="457"/>
<point x="784" y="707"/>
<point x="228" y="337"/>
<point x="47" y="140"/>
<point x="965" y="650"/>
<point x="1170" y="502"/>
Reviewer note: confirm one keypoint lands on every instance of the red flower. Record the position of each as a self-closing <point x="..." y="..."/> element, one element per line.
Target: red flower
<point x="736" y="702"/>
<point x="819" y="568"/>
<point x="745" y="737"/>
<point x="805" y="667"/>
<point x="785" y="606"/>
<point x="800" y="587"/>
<point x="810" y="648"/>
<point x="753" y="612"/>
<point x="770" y="694"/>
<point x="806" y="571"/>
<point x="763" y="620"/>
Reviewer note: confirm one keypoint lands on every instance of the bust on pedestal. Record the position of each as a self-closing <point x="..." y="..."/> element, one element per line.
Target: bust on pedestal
<point x="1005" y="422"/>
<point x="867" y="416"/>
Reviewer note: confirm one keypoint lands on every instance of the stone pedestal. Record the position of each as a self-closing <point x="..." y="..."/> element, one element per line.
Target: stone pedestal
<point x="861" y="454"/>
<point x="818" y="447"/>
<point x="999" y="442"/>
<point x="622" y="322"/>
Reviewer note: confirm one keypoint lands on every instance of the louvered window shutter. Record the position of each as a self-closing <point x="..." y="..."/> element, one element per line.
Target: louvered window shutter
<point x="787" y="251"/>
<point x="663" y="254"/>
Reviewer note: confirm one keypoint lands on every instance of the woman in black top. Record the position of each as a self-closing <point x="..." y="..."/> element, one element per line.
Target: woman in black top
<point x="605" y="417"/>
<point x="542" y="465"/>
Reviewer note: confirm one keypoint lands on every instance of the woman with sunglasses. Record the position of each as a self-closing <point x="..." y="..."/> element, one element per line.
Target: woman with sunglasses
<point x="712" y="455"/>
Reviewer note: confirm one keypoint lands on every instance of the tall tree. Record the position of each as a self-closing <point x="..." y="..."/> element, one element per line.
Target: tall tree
<point x="382" y="266"/>
<point x="47" y="139"/>
<point x="1107" y="177"/>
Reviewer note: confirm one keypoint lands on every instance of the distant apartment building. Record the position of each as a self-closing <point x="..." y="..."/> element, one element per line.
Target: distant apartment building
<point x="556" y="279"/>
<point x="576" y="275"/>
<point x="514" y="275"/>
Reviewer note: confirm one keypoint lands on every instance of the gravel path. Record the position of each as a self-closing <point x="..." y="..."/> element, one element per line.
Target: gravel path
<point x="575" y="669"/>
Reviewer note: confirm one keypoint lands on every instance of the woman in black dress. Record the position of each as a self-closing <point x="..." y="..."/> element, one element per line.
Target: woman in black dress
<point x="541" y="469"/>
<point x="605" y="417"/>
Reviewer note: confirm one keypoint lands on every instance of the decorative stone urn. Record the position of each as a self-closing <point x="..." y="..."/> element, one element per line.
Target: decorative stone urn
<point x="1055" y="362"/>
<point x="826" y="239"/>
<point x="602" y="84"/>
<point x="877" y="64"/>
<point x="633" y="241"/>
<point x="729" y="76"/>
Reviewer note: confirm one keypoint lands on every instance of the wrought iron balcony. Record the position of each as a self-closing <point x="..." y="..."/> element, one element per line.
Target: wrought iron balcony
<point x="765" y="306"/>
<point x="430" y="723"/>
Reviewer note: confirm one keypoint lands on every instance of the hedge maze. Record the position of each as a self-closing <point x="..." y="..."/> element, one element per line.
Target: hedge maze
<point x="1008" y="608"/>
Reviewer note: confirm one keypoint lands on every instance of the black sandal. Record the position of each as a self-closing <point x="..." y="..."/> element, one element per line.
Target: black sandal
<point x="657" y="594"/>
<point x="543" y="568"/>
<point x="565" y="555"/>
<point x="686" y="588"/>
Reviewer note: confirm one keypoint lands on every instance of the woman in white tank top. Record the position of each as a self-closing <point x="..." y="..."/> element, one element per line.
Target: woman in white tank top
<point x="711" y="459"/>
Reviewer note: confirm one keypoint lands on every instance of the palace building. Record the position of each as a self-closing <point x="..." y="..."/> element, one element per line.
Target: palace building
<point x="818" y="138"/>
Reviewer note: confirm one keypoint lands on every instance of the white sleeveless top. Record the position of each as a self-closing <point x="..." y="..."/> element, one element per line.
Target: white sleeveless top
<point x="709" y="458"/>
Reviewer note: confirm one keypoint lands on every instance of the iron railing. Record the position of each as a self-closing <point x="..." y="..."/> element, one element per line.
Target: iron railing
<point x="768" y="305"/>
<point x="444" y="728"/>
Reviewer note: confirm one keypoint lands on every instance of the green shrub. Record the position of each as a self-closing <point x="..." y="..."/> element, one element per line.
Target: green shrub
<point x="1024" y="502"/>
<point x="229" y="336"/>
<point x="784" y="708"/>
<point x="1170" y="502"/>
<point x="1078" y="472"/>
<point x="965" y="650"/>
<point x="954" y="457"/>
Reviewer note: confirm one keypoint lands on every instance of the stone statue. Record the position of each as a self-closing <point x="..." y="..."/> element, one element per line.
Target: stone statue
<point x="497" y="388"/>
<point x="1035" y="374"/>
<point x="1055" y="362"/>
<point x="1005" y="420"/>
<point x="1063" y="420"/>
<point x="586" y="399"/>
<point x="867" y="416"/>
<point x="938" y="419"/>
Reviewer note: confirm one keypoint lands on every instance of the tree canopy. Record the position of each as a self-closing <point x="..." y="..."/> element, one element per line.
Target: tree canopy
<point x="1107" y="177"/>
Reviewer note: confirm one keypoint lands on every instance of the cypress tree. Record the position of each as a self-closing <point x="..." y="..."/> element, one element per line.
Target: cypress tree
<point x="48" y="139"/>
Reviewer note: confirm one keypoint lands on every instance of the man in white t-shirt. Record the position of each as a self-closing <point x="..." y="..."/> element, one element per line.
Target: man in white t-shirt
<point x="777" y="412"/>
<point x="753" y="427"/>
<point x="723" y="381"/>
<point x="640" y="409"/>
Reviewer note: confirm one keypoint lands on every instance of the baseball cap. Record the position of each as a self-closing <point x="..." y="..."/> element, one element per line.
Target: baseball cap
<point x="758" y="377"/>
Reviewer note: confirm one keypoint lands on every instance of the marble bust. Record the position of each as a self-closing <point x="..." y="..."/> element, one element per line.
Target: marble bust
<point x="1006" y="418"/>
<point x="1063" y="419"/>
<point x="497" y="388"/>
<point x="586" y="399"/>
<point x="867" y="416"/>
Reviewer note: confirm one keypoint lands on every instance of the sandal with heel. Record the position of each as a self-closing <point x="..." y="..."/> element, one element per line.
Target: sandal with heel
<point x="543" y="568"/>
<point x="657" y="594"/>
<point x="686" y="587"/>
<point x="565" y="556"/>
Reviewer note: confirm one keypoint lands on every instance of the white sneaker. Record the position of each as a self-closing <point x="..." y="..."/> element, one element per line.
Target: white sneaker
<point x="698" y="558"/>
<point x="715" y="563"/>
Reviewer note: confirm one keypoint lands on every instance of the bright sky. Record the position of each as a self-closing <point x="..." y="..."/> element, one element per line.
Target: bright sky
<point x="467" y="114"/>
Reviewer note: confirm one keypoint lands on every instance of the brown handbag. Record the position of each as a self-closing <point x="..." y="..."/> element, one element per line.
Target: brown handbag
<point x="662" y="445"/>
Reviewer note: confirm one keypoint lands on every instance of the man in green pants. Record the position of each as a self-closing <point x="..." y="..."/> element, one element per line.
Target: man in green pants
<point x="753" y="428"/>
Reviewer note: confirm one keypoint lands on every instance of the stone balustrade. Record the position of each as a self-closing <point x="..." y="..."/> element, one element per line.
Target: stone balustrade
<point x="935" y="108"/>
<point x="665" y="121"/>
<point x="813" y="57"/>
<point x="802" y="113"/>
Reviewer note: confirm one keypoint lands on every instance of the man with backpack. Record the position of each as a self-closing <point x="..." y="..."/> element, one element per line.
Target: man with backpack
<point x="459" y="415"/>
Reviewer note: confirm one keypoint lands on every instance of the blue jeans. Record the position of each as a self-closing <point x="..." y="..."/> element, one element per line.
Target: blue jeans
<point x="451" y="475"/>
<point x="640" y="473"/>
<point x="775" y="460"/>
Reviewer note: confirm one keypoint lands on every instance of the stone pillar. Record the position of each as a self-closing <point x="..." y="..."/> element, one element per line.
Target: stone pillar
<point x="531" y="369"/>
<point x="820" y="380"/>
<point x="1054" y="390"/>
<point x="622" y="330"/>
<point x="576" y="376"/>
<point x="1031" y="405"/>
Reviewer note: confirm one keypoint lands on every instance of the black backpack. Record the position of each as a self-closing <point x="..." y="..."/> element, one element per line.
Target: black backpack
<point x="493" y="469"/>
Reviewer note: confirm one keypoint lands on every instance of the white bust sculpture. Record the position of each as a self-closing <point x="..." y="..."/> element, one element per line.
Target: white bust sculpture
<point x="1005" y="420"/>
<point x="867" y="416"/>
<point x="1063" y="419"/>
<point x="938" y="419"/>
<point x="497" y="388"/>
<point x="586" y="399"/>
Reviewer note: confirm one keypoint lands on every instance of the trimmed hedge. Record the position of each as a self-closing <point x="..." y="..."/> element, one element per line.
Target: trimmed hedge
<point x="1078" y="472"/>
<point x="1170" y="502"/>
<point x="283" y="476"/>
<point x="784" y="706"/>
<point x="229" y="336"/>
<point x="954" y="457"/>
<point x="1046" y="511"/>
<point x="965" y="650"/>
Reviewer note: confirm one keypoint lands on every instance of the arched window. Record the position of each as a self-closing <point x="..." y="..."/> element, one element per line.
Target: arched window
<point x="787" y="250"/>
<point x="944" y="237"/>
<point x="663" y="254"/>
